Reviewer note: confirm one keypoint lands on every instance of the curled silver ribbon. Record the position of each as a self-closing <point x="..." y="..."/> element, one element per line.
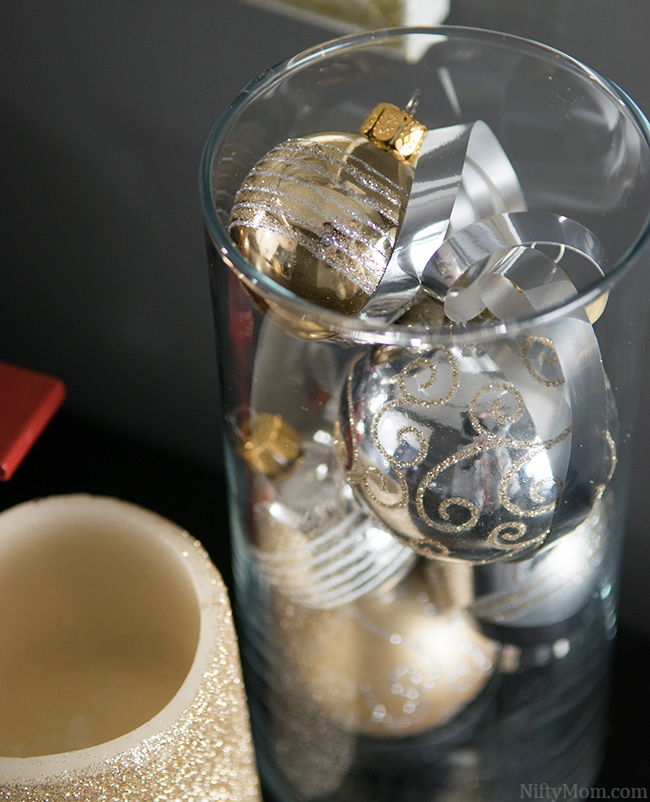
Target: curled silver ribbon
<point x="451" y="273"/>
<point x="462" y="175"/>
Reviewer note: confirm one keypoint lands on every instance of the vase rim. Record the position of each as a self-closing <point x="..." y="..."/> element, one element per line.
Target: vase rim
<point x="366" y="331"/>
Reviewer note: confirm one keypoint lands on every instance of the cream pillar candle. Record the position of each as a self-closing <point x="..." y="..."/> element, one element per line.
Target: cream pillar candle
<point x="119" y="669"/>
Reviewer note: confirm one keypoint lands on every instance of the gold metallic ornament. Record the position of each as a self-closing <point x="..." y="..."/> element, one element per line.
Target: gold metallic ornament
<point x="313" y="752"/>
<point x="387" y="665"/>
<point x="320" y="214"/>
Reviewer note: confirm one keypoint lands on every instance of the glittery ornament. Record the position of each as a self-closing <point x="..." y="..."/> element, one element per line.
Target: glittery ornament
<point x="314" y="753"/>
<point x="350" y="222"/>
<point x="386" y="665"/>
<point x="198" y="745"/>
<point x="315" y="544"/>
<point x="541" y="591"/>
<point x="461" y="452"/>
<point x="320" y="214"/>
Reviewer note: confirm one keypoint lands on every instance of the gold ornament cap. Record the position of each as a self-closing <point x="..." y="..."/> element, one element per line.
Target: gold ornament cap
<point x="394" y="130"/>
<point x="270" y="445"/>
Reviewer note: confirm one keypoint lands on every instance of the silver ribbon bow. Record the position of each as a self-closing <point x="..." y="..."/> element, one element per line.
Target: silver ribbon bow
<point x="462" y="175"/>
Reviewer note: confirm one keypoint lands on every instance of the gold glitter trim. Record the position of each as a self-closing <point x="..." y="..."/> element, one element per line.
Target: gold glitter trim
<point x="548" y="356"/>
<point x="381" y="481"/>
<point x="424" y="363"/>
<point x="497" y="409"/>
<point x="407" y="398"/>
<point x="535" y="490"/>
<point x="512" y="532"/>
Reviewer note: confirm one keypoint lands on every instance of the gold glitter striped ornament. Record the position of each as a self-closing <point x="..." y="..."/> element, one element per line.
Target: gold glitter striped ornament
<point x="97" y="587"/>
<point x="320" y="214"/>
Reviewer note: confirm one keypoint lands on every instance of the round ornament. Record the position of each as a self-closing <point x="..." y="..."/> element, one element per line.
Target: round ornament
<point x="350" y="221"/>
<point x="546" y="589"/>
<point x="460" y="451"/>
<point x="551" y="586"/>
<point x="320" y="214"/>
<point x="392" y="664"/>
<point x="314" y="544"/>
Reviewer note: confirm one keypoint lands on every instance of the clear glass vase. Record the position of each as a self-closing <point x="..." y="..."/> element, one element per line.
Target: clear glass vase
<point x="426" y="517"/>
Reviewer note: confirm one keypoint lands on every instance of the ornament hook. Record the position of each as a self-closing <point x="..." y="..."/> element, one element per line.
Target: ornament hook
<point x="412" y="105"/>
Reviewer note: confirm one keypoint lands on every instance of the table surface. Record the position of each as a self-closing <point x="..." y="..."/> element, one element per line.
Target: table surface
<point x="75" y="456"/>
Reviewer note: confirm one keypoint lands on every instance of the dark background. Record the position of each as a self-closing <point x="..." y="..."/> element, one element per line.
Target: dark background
<point x="104" y="109"/>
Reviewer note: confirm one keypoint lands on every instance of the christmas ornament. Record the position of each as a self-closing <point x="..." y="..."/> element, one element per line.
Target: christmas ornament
<point x="465" y="451"/>
<point x="321" y="214"/>
<point x="313" y="752"/>
<point x="461" y="451"/>
<point x="313" y="542"/>
<point x="543" y="590"/>
<point x="392" y="664"/>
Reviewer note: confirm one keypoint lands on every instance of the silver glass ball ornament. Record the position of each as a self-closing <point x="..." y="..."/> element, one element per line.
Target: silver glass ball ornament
<point x="461" y="452"/>
<point x="314" y="544"/>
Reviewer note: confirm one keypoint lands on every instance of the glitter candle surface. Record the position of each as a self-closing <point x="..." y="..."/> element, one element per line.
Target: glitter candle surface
<point x="122" y="673"/>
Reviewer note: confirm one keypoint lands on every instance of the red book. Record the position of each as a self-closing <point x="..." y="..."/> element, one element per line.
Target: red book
<point x="28" y="400"/>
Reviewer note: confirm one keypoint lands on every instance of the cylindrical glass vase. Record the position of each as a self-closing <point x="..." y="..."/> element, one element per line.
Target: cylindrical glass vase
<point x="427" y="515"/>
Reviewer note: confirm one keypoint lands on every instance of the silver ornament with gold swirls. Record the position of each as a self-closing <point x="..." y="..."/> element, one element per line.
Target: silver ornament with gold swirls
<point x="543" y="590"/>
<point x="461" y="452"/>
